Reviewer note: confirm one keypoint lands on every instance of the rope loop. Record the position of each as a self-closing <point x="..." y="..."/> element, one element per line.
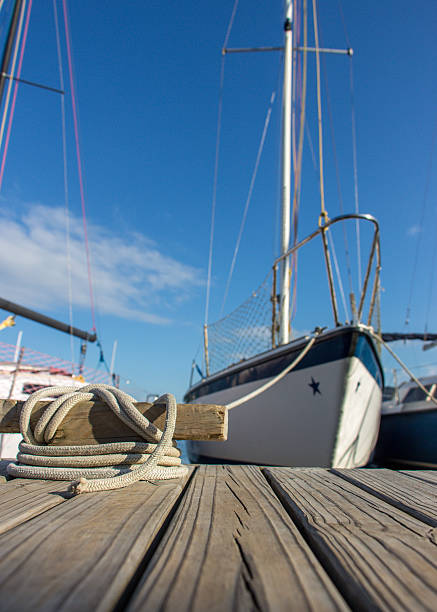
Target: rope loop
<point x="110" y="466"/>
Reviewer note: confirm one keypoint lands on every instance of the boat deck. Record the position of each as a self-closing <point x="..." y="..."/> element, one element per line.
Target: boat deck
<point x="226" y="538"/>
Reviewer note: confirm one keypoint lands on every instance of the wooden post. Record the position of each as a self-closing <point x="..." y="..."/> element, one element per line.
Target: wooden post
<point x="94" y="423"/>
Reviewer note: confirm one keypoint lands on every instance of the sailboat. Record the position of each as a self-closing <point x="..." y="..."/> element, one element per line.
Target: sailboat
<point x="314" y="400"/>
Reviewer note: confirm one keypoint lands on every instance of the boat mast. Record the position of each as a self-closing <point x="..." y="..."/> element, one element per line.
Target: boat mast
<point x="8" y="47"/>
<point x="284" y="331"/>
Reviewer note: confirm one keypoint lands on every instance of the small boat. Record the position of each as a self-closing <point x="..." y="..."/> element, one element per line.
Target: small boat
<point x="407" y="435"/>
<point x="25" y="371"/>
<point x="314" y="400"/>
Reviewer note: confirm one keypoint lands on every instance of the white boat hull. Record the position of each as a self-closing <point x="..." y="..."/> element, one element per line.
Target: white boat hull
<point x="27" y="379"/>
<point x="325" y="415"/>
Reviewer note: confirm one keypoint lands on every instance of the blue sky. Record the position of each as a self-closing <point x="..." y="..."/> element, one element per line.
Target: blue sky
<point x="147" y="82"/>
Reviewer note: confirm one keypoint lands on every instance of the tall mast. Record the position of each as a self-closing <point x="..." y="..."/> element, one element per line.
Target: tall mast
<point x="8" y="47"/>
<point x="284" y="332"/>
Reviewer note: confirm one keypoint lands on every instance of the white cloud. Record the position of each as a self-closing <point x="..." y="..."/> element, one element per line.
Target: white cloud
<point x="132" y="278"/>
<point x="413" y="230"/>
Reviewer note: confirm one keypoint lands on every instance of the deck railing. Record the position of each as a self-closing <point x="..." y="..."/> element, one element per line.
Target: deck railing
<point x="253" y="327"/>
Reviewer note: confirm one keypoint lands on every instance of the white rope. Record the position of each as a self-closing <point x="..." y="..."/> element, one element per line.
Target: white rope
<point x="277" y="378"/>
<point x="109" y="466"/>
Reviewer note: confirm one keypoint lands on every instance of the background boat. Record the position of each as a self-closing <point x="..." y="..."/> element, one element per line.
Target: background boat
<point x="24" y="371"/>
<point x="408" y="431"/>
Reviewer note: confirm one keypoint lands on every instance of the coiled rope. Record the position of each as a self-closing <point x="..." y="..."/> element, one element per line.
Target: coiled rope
<point x="103" y="466"/>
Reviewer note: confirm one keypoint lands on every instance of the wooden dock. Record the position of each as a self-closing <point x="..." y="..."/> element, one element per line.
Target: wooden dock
<point x="226" y="538"/>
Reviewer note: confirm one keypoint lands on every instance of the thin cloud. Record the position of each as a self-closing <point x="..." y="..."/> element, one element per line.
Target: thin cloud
<point x="132" y="278"/>
<point x="413" y="230"/>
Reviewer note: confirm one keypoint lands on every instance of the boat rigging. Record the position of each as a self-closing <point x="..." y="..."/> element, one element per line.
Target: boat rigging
<point x="276" y="384"/>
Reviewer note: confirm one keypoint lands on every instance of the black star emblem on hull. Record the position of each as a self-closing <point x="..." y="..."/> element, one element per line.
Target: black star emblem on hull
<point x="314" y="386"/>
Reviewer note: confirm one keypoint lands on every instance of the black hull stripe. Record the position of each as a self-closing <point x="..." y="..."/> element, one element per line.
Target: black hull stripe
<point x="345" y="343"/>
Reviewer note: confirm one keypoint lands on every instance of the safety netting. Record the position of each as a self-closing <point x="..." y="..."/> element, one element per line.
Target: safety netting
<point x="243" y="333"/>
<point x="26" y="359"/>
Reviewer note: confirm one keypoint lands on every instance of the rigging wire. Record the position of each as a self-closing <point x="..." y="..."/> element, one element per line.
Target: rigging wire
<point x="330" y="238"/>
<point x="102" y="357"/>
<point x="354" y="143"/>
<point x="295" y="86"/>
<point x="311" y="146"/>
<point x="298" y="166"/>
<point x="337" y="269"/>
<point x="354" y="149"/>
<point x="14" y="97"/>
<point x="79" y="161"/>
<point x="216" y="162"/>
<point x="323" y="212"/>
<point x="276" y="233"/>
<point x="66" y="190"/>
<point x="420" y="233"/>
<point x="337" y="172"/>
<point x="12" y="71"/>
<point x="431" y="285"/>
<point x="249" y="196"/>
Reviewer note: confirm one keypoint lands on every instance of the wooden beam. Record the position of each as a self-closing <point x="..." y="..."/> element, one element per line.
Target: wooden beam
<point x="94" y="423"/>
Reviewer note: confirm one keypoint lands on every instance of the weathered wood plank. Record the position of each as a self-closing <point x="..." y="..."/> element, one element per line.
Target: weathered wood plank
<point x="428" y="476"/>
<point x="21" y="500"/>
<point x="416" y="497"/>
<point x="231" y="546"/>
<point x="93" y="422"/>
<point x="82" y="554"/>
<point x="378" y="556"/>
